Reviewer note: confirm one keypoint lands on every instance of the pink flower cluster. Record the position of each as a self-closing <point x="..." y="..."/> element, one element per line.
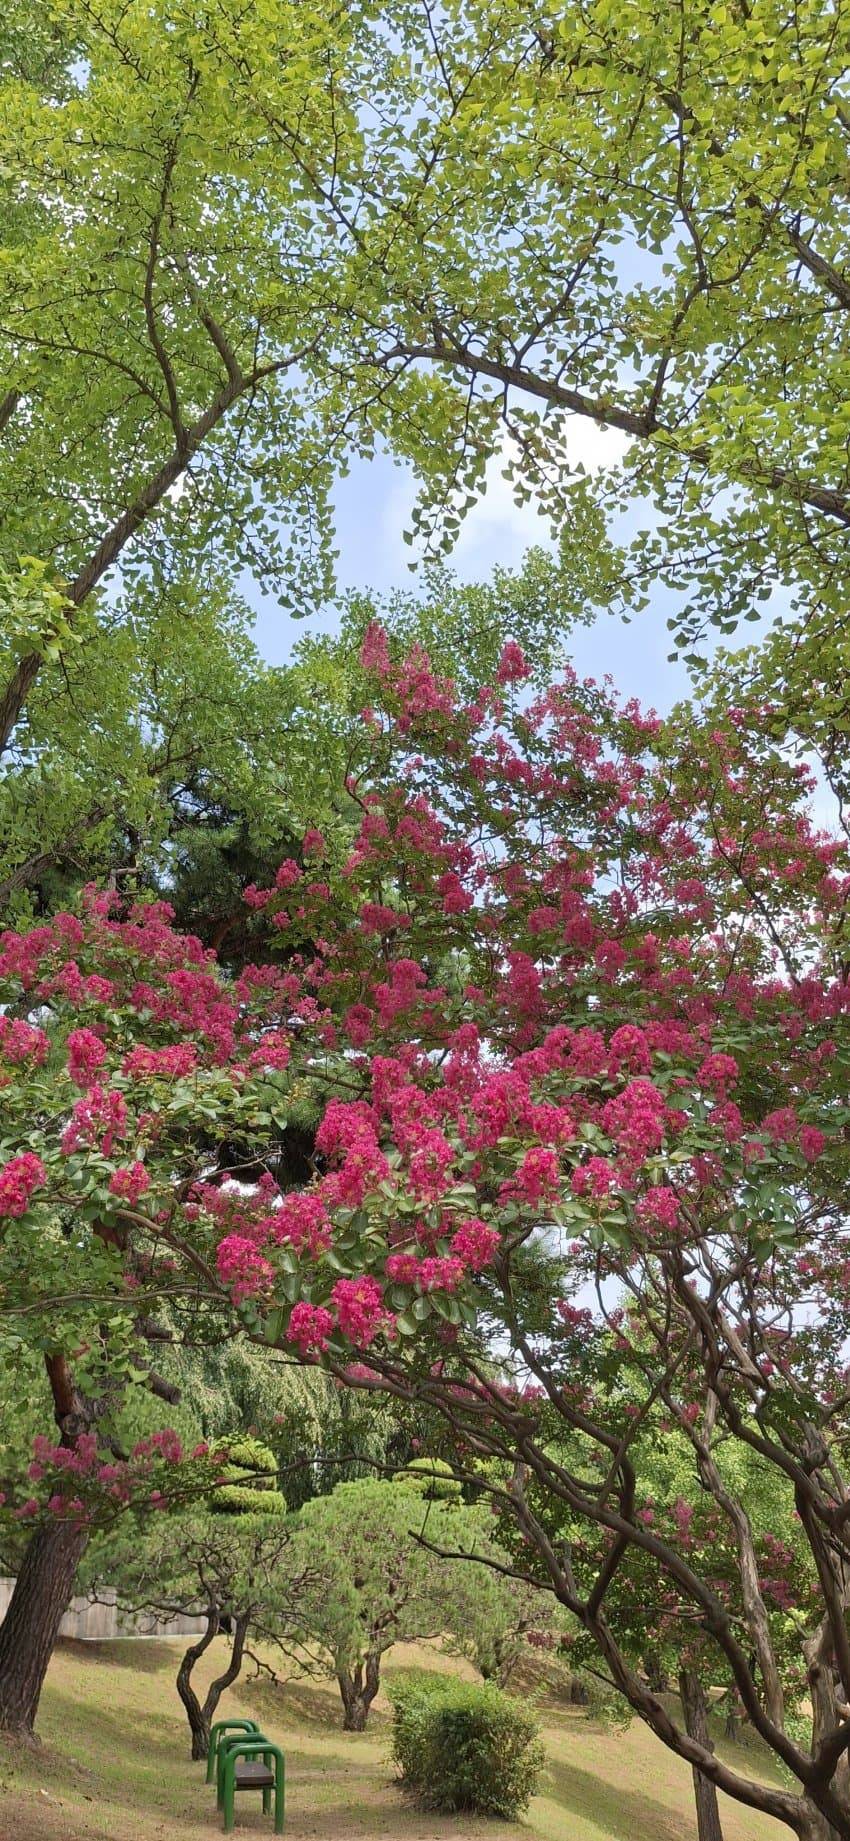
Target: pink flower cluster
<point x="360" y="1311"/>
<point x="21" y="1042"/>
<point x="302" y="1221"/>
<point x="635" y="1119"/>
<point x="86" y="1053"/>
<point x="242" y="1267"/>
<point x="512" y="667"/>
<point x="97" y="1119"/>
<point x="537" y="1178"/>
<point x="129" y="1185"/>
<point x="595" y="1178"/>
<point x="476" y="1243"/>
<point x="659" y="1207"/>
<point x="18" y="1180"/>
<point x="173" y="1062"/>
<point x="310" y="1327"/>
<point x="432" y="1274"/>
<point x="347" y="1133"/>
<point x="116" y="1483"/>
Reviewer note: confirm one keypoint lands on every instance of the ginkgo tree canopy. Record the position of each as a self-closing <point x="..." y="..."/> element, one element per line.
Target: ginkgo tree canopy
<point x="242" y="247"/>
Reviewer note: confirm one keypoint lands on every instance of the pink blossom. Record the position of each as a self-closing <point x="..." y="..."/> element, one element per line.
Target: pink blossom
<point x="242" y="1267"/>
<point x="537" y="1178"/>
<point x="402" y="1268"/>
<point x="130" y="1184"/>
<point x="20" y="1042"/>
<point x="597" y="1177"/>
<point x="635" y="1120"/>
<point x="659" y="1207"/>
<point x="430" y="1164"/>
<point x="812" y="1143"/>
<point x="456" y="899"/>
<point x="476" y="1243"/>
<point x="360" y="1309"/>
<point x="440" y="1274"/>
<point x="717" y="1072"/>
<point x="512" y="667"/>
<point x="18" y="1179"/>
<point x="86" y="1053"/>
<point x="310" y="1326"/>
<point x="302" y="1221"/>
<point x="174" y="1062"/>
<point x="374" y="651"/>
<point x="97" y="1119"/>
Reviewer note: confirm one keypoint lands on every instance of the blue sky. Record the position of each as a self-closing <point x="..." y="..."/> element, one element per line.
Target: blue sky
<point x="373" y="507"/>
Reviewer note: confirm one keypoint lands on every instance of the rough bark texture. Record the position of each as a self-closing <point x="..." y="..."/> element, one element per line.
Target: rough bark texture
<point x="826" y="1718"/>
<point x="46" y="1578"/>
<point x="200" y="1713"/>
<point x="358" y="1688"/>
<point x="819" y="1829"/>
<point x="29" y="1630"/>
<point x="695" y="1710"/>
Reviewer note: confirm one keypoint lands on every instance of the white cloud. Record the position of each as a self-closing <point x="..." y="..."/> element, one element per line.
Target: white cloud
<point x="497" y="529"/>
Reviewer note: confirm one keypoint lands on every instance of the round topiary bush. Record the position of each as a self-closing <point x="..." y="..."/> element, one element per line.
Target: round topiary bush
<point x="253" y="1489"/>
<point x="434" y="1477"/>
<point x="464" y="1746"/>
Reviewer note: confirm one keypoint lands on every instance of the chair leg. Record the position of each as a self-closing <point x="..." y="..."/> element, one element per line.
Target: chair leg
<point x="279" y="1796"/>
<point x="267" y="1799"/>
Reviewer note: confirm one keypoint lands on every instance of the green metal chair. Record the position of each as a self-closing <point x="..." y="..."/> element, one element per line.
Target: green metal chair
<point x="216" y="1730"/>
<point x="250" y="1762"/>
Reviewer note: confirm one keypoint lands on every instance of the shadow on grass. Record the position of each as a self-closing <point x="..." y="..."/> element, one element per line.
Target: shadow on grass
<point x="614" y="1810"/>
<point x="144" y="1655"/>
<point x="307" y="1703"/>
<point x="111" y="1733"/>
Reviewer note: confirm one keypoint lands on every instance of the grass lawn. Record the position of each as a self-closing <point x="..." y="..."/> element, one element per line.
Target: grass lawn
<point x="114" y="1764"/>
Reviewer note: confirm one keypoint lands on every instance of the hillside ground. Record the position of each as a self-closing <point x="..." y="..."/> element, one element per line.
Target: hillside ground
<point x="113" y="1765"/>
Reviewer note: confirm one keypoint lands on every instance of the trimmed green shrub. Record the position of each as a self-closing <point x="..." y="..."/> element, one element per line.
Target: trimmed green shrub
<point x="434" y="1477"/>
<point x="253" y="1489"/>
<point x="463" y="1746"/>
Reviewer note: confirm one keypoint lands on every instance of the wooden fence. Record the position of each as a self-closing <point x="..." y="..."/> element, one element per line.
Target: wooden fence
<point x="99" y="1623"/>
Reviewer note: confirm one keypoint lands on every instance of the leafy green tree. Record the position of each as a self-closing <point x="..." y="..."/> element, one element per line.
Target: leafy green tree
<point x="235" y="1571"/>
<point x="157" y="749"/>
<point x="227" y="271"/>
<point x="378" y="1584"/>
<point x="375" y="1584"/>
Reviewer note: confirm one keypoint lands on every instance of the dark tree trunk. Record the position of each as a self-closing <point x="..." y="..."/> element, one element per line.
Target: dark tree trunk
<point x="819" y="1829"/>
<point x="695" y="1710"/>
<point x="358" y="1688"/>
<point x="29" y="1630"/>
<point x="46" y="1577"/>
<point x="200" y="1713"/>
<point x="732" y="1726"/>
<point x="826" y="1718"/>
<point x="656" y="1673"/>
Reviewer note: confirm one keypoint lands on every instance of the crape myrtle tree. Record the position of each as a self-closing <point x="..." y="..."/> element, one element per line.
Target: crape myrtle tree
<point x="241" y="249"/>
<point x="569" y="1025"/>
<point x="190" y="764"/>
<point x="659" y="1635"/>
<point x="173" y="1069"/>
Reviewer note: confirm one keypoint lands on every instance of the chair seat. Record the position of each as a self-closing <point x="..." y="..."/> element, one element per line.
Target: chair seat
<point x="253" y="1774"/>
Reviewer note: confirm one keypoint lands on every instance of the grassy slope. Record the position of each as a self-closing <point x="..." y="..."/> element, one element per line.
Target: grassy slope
<point x="114" y="1764"/>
